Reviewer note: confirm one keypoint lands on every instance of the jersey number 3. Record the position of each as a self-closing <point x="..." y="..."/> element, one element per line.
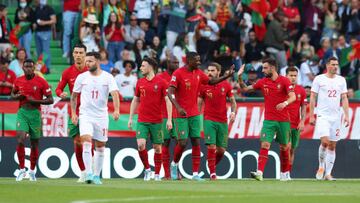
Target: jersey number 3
<point x="332" y="93"/>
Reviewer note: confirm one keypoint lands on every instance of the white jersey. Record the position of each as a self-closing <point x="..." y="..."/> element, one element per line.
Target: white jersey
<point x="329" y="92"/>
<point x="126" y="84"/>
<point x="94" y="93"/>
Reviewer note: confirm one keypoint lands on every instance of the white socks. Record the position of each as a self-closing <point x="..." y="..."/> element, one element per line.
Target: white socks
<point x="87" y="157"/>
<point x="330" y="160"/>
<point x="98" y="160"/>
<point x="322" y="156"/>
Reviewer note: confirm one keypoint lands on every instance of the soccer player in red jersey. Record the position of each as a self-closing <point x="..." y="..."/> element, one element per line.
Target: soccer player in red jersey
<point x="215" y="117"/>
<point x="149" y="93"/>
<point x="183" y="93"/>
<point x="30" y="90"/>
<point x="278" y="93"/>
<point x="7" y="77"/>
<point x="68" y="78"/>
<point x="297" y="119"/>
<point x="172" y="64"/>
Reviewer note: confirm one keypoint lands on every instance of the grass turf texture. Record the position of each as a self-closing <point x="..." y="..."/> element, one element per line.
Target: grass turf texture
<point x="224" y="191"/>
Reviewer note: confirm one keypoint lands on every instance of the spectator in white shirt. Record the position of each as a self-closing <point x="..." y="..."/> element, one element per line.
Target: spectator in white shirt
<point x="126" y="82"/>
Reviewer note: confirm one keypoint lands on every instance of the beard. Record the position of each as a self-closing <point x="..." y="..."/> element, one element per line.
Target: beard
<point x="269" y="75"/>
<point x="92" y="69"/>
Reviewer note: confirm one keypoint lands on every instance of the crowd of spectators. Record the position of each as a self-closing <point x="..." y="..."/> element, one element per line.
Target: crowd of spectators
<point x="299" y="33"/>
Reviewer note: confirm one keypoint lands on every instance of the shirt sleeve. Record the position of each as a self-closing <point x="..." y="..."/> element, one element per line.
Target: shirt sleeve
<point x="315" y="85"/>
<point x="112" y="84"/>
<point x="303" y="97"/>
<point x="165" y="89"/>
<point x="46" y="90"/>
<point x="229" y="91"/>
<point x="62" y="83"/>
<point x="77" y="85"/>
<point x="175" y="79"/>
<point x="202" y="91"/>
<point x="137" y="90"/>
<point x="288" y="86"/>
<point x="343" y="86"/>
<point x="258" y="85"/>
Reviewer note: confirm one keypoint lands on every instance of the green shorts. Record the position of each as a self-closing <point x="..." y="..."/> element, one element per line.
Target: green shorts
<point x="272" y="128"/>
<point x="187" y="127"/>
<point x="153" y="129"/>
<point x="216" y="133"/>
<point x="168" y="134"/>
<point x="29" y="121"/>
<point x="294" y="138"/>
<point x="73" y="130"/>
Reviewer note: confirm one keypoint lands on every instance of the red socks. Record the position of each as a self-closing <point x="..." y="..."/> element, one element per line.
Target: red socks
<point x="177" y="153"/>
<point x="290" y="167"/>
<point x="20" y="150"/>
<point x="144" y="158"/>
<point x="33" y="157"/>
<point x="219" y="156"/>
<point x="285" y="160"/>
<point x="166" y="160"/>
<point x="158" y="161"/>
<point x="78" y="153"/>
<point x="196" y="158"/>
<point x="212" y="161"/>
<point x="263" y="157"/>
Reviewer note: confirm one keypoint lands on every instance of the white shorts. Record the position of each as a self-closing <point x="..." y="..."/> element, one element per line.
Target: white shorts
<point x="97" y="128"/>
<point x="327" y="128"/>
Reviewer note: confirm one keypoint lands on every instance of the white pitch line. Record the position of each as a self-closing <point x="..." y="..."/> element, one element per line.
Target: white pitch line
<point x="137" y="199"/>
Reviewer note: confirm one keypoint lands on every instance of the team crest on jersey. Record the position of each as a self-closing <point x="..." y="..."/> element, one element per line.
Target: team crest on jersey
<point x="198" y="77"/>
<point x="299" y="96"/>
<point x="35" y="88"/>
<point x="278" y="86"/>
<point x="156" y="88"/>
<point x="209" y="94"/>
<point x="173" y="78"/>
<point x="187" y="85"/>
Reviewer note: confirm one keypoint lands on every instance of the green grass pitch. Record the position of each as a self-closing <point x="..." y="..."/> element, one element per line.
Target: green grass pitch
<point x="222" y="191"/>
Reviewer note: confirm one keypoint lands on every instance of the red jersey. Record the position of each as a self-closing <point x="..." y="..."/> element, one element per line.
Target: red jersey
<point x="72" y="5"/>
<point x="166" y="77"/>
<point x="151" y="94"/>
<point x="274" y="93"/>
<point x="187" y="84"/>
<point x="116" y="37"/>
<point x="294" y="108"/>
<point x="68" y="77"/>
<point x="215" y="101"/>
<point x="10" y="77"/>
<point x="291" y="12"/>
<point x="36" y="88"/>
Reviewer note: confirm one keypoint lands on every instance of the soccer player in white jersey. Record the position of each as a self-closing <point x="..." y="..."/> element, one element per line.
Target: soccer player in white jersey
<point x="94" y="87"/>
<point x="328" y="91"/>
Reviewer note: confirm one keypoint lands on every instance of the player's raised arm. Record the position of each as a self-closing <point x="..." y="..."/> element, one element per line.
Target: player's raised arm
<point x="243" y="86"/>
<point x="171" y="95"/>
<point x="134" y="104"/>
<point x="345" y="106"/>
<point x="228" y="74"/>
<point x="116" y="102"/>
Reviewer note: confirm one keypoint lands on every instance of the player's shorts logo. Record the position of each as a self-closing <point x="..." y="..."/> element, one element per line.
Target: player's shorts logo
<point x="18" y="124"/>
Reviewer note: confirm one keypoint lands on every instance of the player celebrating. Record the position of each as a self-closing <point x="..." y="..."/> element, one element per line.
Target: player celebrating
<point x="30" y="89"/>
<point x="297" y="121"/>
<point x="94" y="86"/>
<point x="68" y="78"/>
<point x="149" y="93"/>
<point x="183" y="93"/>
<point x="278" y="93"/>
<point x="327" y="91"/>
<point x="172" y="65"/>
<point x="215" y="117"/>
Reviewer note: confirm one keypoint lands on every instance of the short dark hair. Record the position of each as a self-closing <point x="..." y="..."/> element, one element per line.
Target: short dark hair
<point x="191" y="55"/>
<point x="216" y="65"/>
<point x="2" y="7"/>
<point x="80" y="45"/>
<point x="152" y="62"/>
<point x="4" y="60"/>
<point x="94" y="54"/>
<point x="291" y="69"/>
<point x="29" y="61"/>
<point x="333" y="58"/>
<point x="129" y="62"/>
<point x="270" y="61"/>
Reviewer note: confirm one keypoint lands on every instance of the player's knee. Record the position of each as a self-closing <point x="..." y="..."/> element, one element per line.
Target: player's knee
<point x="166" y="143"/>
<point x="211" y="146"/>
<point x="86" y="138"/>
<point x="182" y="143"/>
<point x="141" y="147"/>
<point x="220" y="150"/>
<point x="157" y="148"/>
<point x="265" y="145"/>
<point x="332" y="146"/>
<point x="283" y="147"/>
